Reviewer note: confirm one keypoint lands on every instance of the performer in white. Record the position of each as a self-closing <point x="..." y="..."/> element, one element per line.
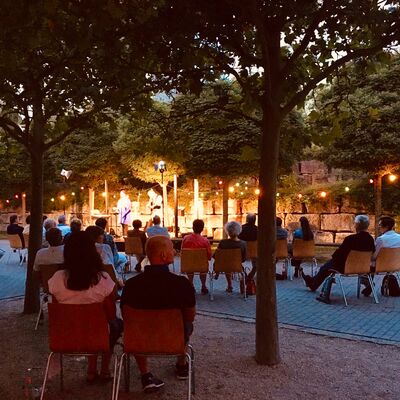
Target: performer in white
<point x="124" y="212"/>
<point x="154" y="203"/>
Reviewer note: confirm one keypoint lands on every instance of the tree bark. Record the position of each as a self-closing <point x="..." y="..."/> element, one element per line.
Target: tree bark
<point x="32" y="296"/>
<point x="378" y="200"/>
<point x="267" y="340"/>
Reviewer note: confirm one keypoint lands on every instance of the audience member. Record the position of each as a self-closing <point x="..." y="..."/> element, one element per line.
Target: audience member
<point x="75" y="227"/>
<point x="156" y="229"/>
<point x="27" y="226"/>
<point x="136" y="232"/>
<point x="83" y="282"/>
<point x="97" y="235"/>
<point x="53" y="254"/>
<point x="62" y="226"/>
<point x="196" y="241"/>
<point x="281" y="233"/>
<point x="360" y="241"/>
<point x="305" y="233"/>
<point x="15" y="229"/>
<point x="157" y="288"/>
<point x="249" y="234"/>
<point x="233" y="230"/>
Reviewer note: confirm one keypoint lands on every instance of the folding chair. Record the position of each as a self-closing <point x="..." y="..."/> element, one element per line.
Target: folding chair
<point x="46" y="272"/>
<point x="304" y="250"/>
<point x="195" y="261"/>
<point x="388" y="261"/>
<point x="282" y="254"/>
<point x="133" y="247"/>
<point x="358" y="263"/>
<point x="16" y="247"/>
<point x="76" y="330"/>
<point x="153" y="333"/>
<point x="227" y="261"/>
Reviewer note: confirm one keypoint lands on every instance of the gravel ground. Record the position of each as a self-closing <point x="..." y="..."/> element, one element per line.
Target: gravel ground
<point x="313" y="367"/>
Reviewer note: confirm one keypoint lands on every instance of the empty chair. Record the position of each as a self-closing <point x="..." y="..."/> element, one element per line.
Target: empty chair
<point x="251" y="250"/>
<point x="133" y="247"/>
<point x="282" y="254"/>
<point x="304" y="250"/>
<point x="227" y="261"/>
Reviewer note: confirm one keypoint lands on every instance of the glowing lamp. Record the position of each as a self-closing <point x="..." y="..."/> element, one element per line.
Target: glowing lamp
<point x="347" y="189"/>
<point x="392" y="177"/>
<point x="231" y="189"/>
<point x="299" y="195"/>
<point x="52" y="199"/>
<point x="323" y="194"/>
<point x="62" y="197"/>
<point x="371" y="181"/>
<point x="257" y="191"/>
<point x="104" y="194"/>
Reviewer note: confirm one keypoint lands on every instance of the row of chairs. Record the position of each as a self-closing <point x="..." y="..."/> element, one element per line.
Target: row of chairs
<point x="82" y="330"/>
<point x="17" y="247"/>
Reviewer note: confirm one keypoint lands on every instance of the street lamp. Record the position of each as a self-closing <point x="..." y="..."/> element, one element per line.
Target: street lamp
<point x="62" y="198"/>
<point x="162" y="167"/>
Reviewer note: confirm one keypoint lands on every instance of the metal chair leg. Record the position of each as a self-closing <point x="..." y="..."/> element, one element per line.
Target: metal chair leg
<point x="358" y="286"/>
<point x="243" y="274"/>
<point x="212" y="286"/>
<point x="115" y="376"/>
<point x="121" y="363"/>
<point x="190" y="347"/>
<point x="189" y="361"/>
<point x="46" y="373"/>
<point x="371" y="282"/>
<point x="341" y="287"/>
<point x="38" y="317"/>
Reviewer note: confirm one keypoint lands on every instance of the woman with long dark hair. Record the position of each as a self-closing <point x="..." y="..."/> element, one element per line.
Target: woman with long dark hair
<point x="83" y="282"/>
<point x="305" y="233"/>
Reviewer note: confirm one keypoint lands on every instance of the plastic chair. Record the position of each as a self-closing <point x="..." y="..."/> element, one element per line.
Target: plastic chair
<point x="46" y="272"/>
<point x="153" y="333"/>
<point x="227" y="261"/>
<point x="305" y="250"/>
<point x="388" y="261"/>
<point x="251" y="250"/>
<point x="76" y="330"/>
<point x="281" y="253"/>
<point x="195" y="261"/>
<point x="357" y="263"/>
<point x="16" y="246"/>
<point x="133" y="247"/>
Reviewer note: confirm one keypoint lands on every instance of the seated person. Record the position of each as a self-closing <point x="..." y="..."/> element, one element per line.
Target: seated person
<point x="360" y="241"/>
<point x="62" y="226"/>
<point x="196" y="241"/>
<point x="136" y="232"/>
<point x="97" y="235"/>
<point x="305" y="233"/>
<point x="157" y="288"/>
<point x="27" y="226"/>
<point x="75" y="227"/>
<point x="233" y="230"/>
<point x="249" y="234"/>
<point x="54" y="254"/>
<point x="15" y="229"/>
<point x="156" y="229"/>
<point x="48" y="223"/>
<point x="83" y="282"/>
<point x="281" y="233"/>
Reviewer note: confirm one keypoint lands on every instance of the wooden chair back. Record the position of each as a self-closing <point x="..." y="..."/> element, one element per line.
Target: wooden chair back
<point x="281" y="249"/>
<point x="15" y="241"/>
<point x="388" y="260"/>
<point x="153" y="331"/>
<point x="358" y="262"/>
<point x="194" y="261"/>
<point x="251" y="250"/>
<point x="46" y="272"/>
<point x="303" y="249"/>
<point x="26" y="239"/>
<point x="133" y="246"/>
<point x="228" y="260"/>
<point x="78" y="328"/>
<point x="111" y="271"/>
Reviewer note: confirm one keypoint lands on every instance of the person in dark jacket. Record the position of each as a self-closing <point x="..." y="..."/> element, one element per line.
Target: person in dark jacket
<point x="15" y="229"/>
<point x="249" y="234"/>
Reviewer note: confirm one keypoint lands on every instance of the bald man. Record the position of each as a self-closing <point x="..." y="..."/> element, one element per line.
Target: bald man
<point x="157" y="288"/>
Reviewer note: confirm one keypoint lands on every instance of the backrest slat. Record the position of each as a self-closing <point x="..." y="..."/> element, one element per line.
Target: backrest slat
<point x="228" y="260"/>
<point x="194" y="260"/>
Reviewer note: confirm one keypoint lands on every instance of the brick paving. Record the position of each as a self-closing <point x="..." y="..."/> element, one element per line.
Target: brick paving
<point x="297" y="307"/>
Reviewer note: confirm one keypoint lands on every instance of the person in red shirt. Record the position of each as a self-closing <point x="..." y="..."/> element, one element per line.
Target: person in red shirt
<point x="196" y="241"/>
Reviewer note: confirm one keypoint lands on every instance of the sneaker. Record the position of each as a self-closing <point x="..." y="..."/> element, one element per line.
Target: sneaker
<point x="308" y="281"/>
<point x="323" y="299"/>
<point x="150" y="383"/>
<point x="182" y="371"/>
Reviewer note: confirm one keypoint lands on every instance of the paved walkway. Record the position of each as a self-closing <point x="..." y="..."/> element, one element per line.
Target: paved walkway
<point x="297" y="307"/>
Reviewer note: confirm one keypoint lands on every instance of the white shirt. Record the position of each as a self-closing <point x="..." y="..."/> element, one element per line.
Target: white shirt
<point x="105" y="253"/>
<point x="389" y="239"/>
<point x="50" y="255"/>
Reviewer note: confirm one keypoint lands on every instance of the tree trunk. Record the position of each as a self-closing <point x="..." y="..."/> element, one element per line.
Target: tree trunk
<point x="225" y="206"/>
<point x="378" y="200"/>
<point x="267" y="340"/>
<point x="32" y="297"/>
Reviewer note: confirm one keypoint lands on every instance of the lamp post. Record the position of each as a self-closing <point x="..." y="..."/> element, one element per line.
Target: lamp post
<point x="162" y="167"/>
<point x="62" y="198"/>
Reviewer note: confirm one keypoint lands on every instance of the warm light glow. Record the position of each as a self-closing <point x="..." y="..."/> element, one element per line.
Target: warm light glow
<point x="237" y="184"/>
<point x="82" y="187"/>
<point x="202" y="195"/>
<point x="299" y="195"/>
<point x="242" y="193"/>
<point x="277" y="195"/>
<point x="347" y="189"/>
<point x="104" y="194"/>
<point x="62" y="197"/>
<point x="23" y="195"/>
<point x="52" y="199"/>
<point x="220" y="182"/>
<point x="8" y="201"/>
<point x="257" y="191"/>
<point x="245" y="182"/>
<point x="371" y="181"/>
<point x="216" y="193"/>
<point x="16" y="196"/>
<point x="245" y="188"/>
<point x="73" y="193"/>
<point x="231" y="189"/>
<point x="323" y="194"/>
<point x="392" y="177"/>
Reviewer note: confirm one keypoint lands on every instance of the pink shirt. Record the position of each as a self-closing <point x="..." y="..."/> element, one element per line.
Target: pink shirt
<point x="196" y="241"/>
<point x="95" y="294"/>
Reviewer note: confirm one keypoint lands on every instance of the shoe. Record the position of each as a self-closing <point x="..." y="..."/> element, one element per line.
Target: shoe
<point x="216" y="276"/>
<point x="204" y="290"/>
<point x="323" y="300"/>
<point x="138" y="268"/>
<point x="182" y="371"/>
<point x="308" y="281"/>
<point x="229" y="289"/>
<point x="150" y="383"/>
<point x="367" y="291"/>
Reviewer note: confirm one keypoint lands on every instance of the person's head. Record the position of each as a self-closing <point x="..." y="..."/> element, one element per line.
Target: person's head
<point x="122" y="194"/>
<point x="278" y="221"/>
<point x="28" y="220"/>
<point x="61" y="219"/>
<point x="102" y="223"/>
<point x="361" y="222"/>
<point x="198" y="226"/>
<point x="54" y="237"/>
<point x="14" y="219"/>
<point x="75" y="225"/>
<point x="49" y="223"/>
<point x="44" y="217"/>
<point x="386" y="224"/>
<point x="306" y="229"/>
<point x="233" y="229"/>
<point x="137" y="224"/>
<point x="251" y="219"/>
<point x="95" y="233"/>
<point x="156" y="220"/>
<point x="82" y="262"/>
<point x="160" y="250"/>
